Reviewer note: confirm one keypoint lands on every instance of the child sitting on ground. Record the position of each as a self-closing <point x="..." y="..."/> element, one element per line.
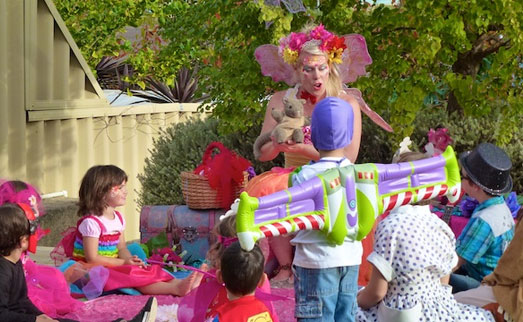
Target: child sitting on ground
<point x="242" y="272"/>
<point x="14" y="241"/>
<point x="203" y="302"/>
<point x="412" y="258"/>
<point x="100" y="237"/>
<point x="485" y="176"/>
<point x="46" y="286"/>
<point x="326" y="276"/>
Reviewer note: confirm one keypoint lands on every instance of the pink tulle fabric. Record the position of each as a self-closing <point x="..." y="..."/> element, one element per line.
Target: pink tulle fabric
<point x="29" y="196"/>
<point x="194" y="306"/>
<point x="48" y="289"/>
<point x="111" y="307"/>
<point x="121" y="276"/>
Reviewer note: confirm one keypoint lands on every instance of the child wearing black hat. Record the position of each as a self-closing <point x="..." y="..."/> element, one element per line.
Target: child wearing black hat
<point x="485" y="175"/>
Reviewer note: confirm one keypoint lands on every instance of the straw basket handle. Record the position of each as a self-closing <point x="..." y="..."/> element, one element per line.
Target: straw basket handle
<point x="207" y="156"/>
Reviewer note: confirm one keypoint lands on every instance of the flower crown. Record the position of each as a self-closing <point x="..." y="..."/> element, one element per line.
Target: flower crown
<point x="329" y="43"/>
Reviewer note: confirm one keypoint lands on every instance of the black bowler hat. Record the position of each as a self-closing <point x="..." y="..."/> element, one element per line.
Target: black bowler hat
<point x="489" y="167"/>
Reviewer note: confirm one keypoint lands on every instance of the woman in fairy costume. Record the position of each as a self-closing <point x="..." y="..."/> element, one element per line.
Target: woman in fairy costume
<point x="318" y="64"/>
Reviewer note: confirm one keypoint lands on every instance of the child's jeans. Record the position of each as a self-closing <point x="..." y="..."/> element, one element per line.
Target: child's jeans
<point x="327" y="294"/>
<point x="461" y="281"/>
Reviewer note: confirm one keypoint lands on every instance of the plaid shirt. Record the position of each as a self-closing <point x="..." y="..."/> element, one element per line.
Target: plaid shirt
<point x="480" y="248"/>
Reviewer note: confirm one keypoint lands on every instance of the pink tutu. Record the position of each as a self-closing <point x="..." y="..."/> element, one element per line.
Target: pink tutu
<point x="48" y="290"/>
<point x="202" y="302"/>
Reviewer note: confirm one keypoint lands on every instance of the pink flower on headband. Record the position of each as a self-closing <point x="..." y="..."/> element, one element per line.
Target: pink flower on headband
<point x="226" y="241"/>
<point x="439" y="138"/>
<point x="333" y="46"/>
<point x="320" y="33"/>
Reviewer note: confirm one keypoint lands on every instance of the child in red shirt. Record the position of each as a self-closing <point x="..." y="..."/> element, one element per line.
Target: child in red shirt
<point x="242" y="271"/>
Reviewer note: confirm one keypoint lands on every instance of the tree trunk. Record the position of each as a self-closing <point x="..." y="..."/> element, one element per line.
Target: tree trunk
<point x="468" y="63"/>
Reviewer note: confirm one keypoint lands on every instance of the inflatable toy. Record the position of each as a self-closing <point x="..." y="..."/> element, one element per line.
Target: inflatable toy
<point x="345" y="201"/>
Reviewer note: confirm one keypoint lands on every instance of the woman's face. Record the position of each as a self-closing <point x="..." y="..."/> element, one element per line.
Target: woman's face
<point x="314" y="74"/>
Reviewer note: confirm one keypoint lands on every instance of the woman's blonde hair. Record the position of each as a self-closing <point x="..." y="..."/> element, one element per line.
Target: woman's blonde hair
<point x="334" y="85"/>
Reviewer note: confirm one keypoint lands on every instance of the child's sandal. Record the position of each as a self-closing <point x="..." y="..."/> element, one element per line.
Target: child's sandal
<point x="286" y="267"/>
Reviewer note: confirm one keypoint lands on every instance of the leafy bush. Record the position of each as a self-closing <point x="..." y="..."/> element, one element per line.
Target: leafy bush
<point x="466" y="132"/>
<point x="180" y="148"/>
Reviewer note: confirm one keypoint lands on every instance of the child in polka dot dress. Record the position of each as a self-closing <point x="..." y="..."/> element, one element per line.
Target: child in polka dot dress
<point x="414" y="253"/>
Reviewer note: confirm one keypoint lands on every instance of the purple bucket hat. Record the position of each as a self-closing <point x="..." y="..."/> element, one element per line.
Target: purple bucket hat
<point x="332" y="124"/>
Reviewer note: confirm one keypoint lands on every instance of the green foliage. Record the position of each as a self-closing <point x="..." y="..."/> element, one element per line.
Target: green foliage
<point x="180" y="148"/>
<point x="462" y="59"/>
<point x="465" y="132"/>
<point x="462" y="55"/>
<point x="98" y="28"/>
<point x="424" y="52"/>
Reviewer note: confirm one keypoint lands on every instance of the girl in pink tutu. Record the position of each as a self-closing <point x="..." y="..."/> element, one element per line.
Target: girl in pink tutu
<point x="46" y="286"/>
<point x="100" y="237"/>
<point x="203" y="303"/>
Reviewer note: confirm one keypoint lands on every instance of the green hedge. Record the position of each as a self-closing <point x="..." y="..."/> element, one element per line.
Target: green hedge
<point x="180" y="148"/>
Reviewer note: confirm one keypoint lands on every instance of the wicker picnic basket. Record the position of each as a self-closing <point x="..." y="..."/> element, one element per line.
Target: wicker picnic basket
<point x="197" y="192"/>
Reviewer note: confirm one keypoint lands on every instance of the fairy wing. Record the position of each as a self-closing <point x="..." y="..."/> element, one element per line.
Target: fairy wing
<point x="272" y="65"/>
<point x="375" y="117"/>
<point x="356" y="58"/>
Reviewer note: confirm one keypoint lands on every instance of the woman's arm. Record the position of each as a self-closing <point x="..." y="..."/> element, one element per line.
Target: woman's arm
<point x="374" y="292"/>
<point x="351" y="150"/>
<point x="269" y="150"/>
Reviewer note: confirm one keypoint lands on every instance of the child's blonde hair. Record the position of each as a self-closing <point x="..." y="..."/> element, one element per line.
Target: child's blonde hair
<point x="225" y="228"/>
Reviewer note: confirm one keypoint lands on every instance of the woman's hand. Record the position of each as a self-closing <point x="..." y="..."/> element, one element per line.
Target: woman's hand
<point x="290" y="146"/>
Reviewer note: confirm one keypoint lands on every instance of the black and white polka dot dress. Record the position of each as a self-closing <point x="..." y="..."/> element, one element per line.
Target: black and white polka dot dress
<point x="413" y="249"/>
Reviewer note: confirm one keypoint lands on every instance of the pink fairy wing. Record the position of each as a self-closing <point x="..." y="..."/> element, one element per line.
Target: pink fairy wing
<point x="272" y="65"/>
<point x="356" y="59"/>
<point x="375" y="117"/>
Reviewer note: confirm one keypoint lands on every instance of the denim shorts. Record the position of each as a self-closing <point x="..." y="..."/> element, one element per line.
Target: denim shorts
<point x="326" y="294"/>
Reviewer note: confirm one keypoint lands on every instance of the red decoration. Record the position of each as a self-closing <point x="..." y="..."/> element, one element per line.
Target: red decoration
<point x="309" y="97"/>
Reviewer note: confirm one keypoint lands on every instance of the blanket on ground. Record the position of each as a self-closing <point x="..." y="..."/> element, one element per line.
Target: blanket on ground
<point x="107" y="308"/>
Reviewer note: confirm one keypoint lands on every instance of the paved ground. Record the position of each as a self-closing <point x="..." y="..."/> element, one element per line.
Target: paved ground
<point x="42" y="255"/>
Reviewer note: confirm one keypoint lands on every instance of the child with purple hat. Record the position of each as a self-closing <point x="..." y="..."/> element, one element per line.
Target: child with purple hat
<point x="325" y="275"/>
<point x="485" y="176"/>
